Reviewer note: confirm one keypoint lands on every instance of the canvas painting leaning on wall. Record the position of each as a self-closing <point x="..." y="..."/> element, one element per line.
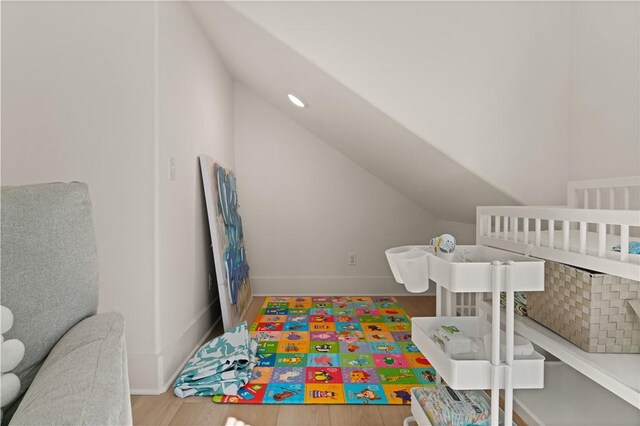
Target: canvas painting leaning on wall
<point x="225" y="224"/>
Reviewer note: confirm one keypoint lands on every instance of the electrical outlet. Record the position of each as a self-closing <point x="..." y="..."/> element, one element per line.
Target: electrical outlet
<point x="351" y="259"/>
<point x="210" y="282"/>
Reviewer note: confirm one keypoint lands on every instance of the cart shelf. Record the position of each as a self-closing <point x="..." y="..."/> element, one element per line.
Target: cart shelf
<point x="470" y="268"/>
<point x="528" y="372"/>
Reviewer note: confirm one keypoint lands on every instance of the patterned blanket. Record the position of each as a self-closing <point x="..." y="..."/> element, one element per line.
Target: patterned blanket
<point x="221" y="366"/>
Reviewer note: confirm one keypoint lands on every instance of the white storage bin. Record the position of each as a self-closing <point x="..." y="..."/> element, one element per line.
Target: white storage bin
<point x="398" y="253"/>
<point x="413" y="271"/>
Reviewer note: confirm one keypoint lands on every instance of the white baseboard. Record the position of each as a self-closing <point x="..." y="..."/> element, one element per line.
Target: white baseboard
<point x="172" y="377"/>
<point x="334" y="286"/>
<point x="154" y="374"/>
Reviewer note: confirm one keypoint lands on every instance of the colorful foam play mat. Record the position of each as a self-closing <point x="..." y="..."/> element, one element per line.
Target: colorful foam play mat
<point x="333" y="350"/>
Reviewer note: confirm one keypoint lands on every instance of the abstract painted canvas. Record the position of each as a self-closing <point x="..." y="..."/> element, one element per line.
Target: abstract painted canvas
<point x="227" y="238"/>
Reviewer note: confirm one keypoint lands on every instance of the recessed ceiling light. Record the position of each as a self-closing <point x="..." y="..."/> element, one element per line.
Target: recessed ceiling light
<point x="296" y="101"/>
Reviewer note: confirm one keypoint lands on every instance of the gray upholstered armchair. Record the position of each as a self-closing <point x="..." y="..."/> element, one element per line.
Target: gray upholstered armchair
<point x="74" y="370"/>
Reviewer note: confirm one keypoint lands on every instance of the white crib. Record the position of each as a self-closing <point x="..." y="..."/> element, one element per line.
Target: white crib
<point x="601" y="214"/>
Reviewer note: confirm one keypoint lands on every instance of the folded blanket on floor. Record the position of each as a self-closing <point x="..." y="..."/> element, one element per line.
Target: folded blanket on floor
<point x="221" y="366"/>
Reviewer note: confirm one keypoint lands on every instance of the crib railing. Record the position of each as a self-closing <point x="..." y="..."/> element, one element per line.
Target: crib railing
<point x="523" y="229"/>
<point x="613" y="194"/>
<point x="506" y="223"/>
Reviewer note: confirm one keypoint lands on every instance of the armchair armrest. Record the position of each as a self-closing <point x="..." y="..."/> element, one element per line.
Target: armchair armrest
<point x="84" y="378"/>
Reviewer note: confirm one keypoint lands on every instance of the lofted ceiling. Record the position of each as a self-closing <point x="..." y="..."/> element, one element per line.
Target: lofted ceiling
<point x="390" y="151"/>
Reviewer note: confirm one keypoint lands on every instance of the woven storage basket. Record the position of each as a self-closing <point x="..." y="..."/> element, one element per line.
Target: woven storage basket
<point x="588" y="309"/>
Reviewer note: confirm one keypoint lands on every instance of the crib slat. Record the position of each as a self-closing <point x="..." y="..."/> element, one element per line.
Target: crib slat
<point x="492" y="228"/>
<point x="525" y="231"/>
<point x="612" y="198"/>
<point x="497" y="226"/>
<point x="505" y="233"/>
<point x="511" y="226"/>
<point x="612" y="205"/>
<point x="602" y="239"/>
<point x="583" y="237"/>
<point x="538" y="231"/>
<point x="552" y="233"/>
<point x="624" y="243"/>
<point x="586" y="199"/>
<point x="492" y="225"/>
<point x="487" y="225"/>
<point x="626" y="198"/>
<point x="565" y="235"/>
<point x="515" y="229"/>
<point x="598" y="199"/>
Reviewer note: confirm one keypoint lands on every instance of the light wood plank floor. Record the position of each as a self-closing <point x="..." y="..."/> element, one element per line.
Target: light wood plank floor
<point x="166" y="409"/>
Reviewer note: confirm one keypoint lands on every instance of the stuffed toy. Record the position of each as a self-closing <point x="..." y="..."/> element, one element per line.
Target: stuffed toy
<point x="11" y="353"/>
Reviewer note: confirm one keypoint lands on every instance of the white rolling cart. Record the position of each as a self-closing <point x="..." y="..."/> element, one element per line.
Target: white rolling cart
<point x="473" y="269"/>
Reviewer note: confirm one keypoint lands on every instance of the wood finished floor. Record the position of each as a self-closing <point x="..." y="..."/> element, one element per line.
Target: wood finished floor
<point x="166" y="409"/>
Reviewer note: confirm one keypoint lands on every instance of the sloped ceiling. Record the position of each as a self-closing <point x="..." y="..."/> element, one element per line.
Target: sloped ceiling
<point x="342" y="118"/>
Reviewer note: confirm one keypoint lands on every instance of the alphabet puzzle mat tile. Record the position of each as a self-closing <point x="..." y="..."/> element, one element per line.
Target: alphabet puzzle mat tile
<point x="333" y="350"/>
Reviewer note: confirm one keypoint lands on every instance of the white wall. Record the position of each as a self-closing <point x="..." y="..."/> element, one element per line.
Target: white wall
<point x="487" y="83"/>
<point x="305" y="206"/>
<point x="465" y="233"/>
<point x="90" y="94"/>
<point x="77" y="104"/>
<point x="195" y="117"/>
<point x="605" y="102"/>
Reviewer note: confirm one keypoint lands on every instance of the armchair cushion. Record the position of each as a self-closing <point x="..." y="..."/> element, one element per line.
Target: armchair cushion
<point x="83" y="380"/>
